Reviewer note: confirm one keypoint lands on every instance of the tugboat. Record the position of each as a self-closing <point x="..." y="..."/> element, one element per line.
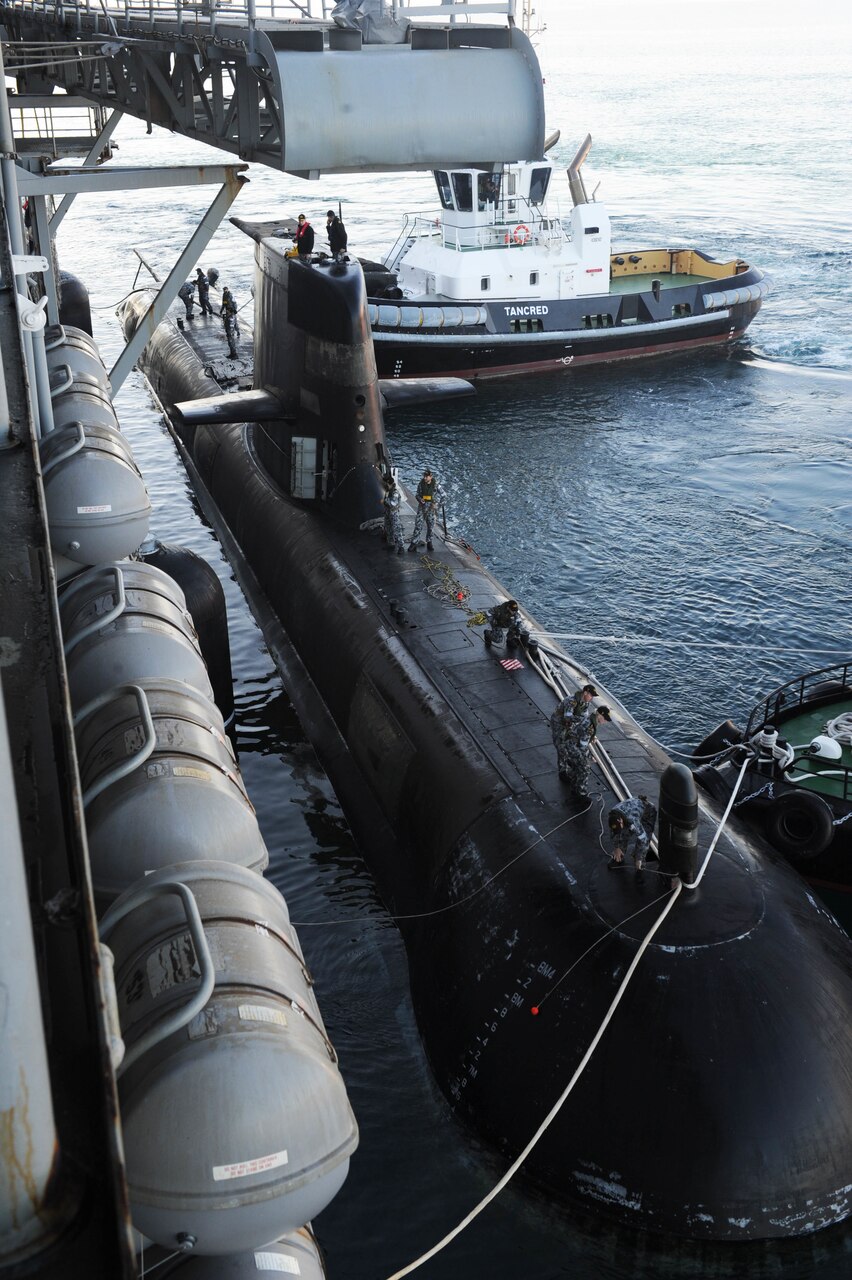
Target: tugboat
<point x="497" y="284"/>
<point x="520" y="939"/>
<point x="797" y="787"/>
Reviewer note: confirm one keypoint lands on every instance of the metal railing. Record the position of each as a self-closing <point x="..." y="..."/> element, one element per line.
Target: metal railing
<point x="525" y="226"/>
<point x="125" y="15"/>
<point x="55" y="125"/>
<point x="826" y="685"/>
<point x="793" y="695"/>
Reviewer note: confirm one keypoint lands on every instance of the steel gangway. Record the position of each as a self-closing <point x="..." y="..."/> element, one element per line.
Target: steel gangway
<point x="284" y="84"/>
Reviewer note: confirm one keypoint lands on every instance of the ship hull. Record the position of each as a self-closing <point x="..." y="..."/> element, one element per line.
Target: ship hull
<point x="516" y="933"/>
<point x="419" y="338"/>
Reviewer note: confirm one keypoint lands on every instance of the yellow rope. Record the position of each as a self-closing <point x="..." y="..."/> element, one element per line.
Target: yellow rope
<point x="449" y="590"/>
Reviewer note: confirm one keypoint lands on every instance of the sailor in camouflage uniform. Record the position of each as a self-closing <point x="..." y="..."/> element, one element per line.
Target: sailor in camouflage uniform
<point x="574" y="727"/>
<point x="430" y="499"/>
<point x="505" y="625"/>
<point x="393" y="520"/>
<point x="631" y="825"/>
<point x="228" y="312"/>
<point x="202" y="284"/>
<point x="186" y="293"/>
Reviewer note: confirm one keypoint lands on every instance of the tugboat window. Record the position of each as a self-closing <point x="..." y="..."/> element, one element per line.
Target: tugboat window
<point x="488" y="190"/>
<point x="533" y="277"/>
<point x="444" y="192"/>
<point x="485" y="283"/>
<point x="538" y="185"/>
<point x="463" y="187"/>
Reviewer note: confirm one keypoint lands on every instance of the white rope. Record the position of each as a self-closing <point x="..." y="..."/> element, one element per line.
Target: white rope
<point x="689" y="644"/>
<point x="840" y="728"/>
<point x="554" y="1111"/>
<point x="557" y="1107"/>
<point x="697" y="881"/>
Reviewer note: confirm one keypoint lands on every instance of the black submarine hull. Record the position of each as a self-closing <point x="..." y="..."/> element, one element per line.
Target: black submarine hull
<point x="717" y="1103"/>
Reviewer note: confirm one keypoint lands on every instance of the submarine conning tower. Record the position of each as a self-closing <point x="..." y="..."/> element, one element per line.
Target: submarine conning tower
<point x="314" y="351"/>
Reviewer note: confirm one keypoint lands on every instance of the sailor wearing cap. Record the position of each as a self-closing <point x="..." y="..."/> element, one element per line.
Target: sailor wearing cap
<point x="631" y="825"/>
<point x="430" y="498"/>
<point x="574" y="727"/>
<point x="304" y="237"/>
<point x="336" y="232"/>
<point x="506" y="625"/>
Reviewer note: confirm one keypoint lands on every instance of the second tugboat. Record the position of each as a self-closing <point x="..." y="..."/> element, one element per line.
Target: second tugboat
<point x="797" y="786"/>
<point x="717" y="1103"/>
<point x="496" y="284"/>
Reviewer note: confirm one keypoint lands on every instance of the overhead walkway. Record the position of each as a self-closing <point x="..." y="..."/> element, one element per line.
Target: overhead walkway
<point x="276" y="85"/>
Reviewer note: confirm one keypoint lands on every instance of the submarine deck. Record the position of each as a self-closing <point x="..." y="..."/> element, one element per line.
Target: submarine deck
<point x="505" y="711"/>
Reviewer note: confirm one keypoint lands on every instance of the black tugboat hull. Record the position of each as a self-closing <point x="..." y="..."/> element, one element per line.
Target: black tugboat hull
<point x="552" y="336"/>
<point x="431" y="355"/>
<point x="697" y="1115"/>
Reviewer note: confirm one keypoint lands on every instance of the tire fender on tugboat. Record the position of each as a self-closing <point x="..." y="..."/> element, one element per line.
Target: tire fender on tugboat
<point x="799" y="825"/>
<point x="724" y="736"/>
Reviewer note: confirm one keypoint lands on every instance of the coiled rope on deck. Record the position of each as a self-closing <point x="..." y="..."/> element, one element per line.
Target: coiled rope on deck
<point x="449" y="590"/>
<point x="584" y="1061"/>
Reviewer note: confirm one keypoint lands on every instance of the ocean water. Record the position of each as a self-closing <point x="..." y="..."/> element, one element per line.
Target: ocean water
<point x="684" y="523"/>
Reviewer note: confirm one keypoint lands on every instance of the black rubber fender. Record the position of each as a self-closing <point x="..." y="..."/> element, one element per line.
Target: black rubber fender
<point x="799" y="825"/>
<point x="827" y="689"/>
<point x="722" y="737"/>
<point x="711" y="780"/>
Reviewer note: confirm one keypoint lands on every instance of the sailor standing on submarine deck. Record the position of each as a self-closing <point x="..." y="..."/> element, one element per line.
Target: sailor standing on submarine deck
<point x="203" y="286"/>
<point x="430" y="498"/>
<point x="574" y="727"/>
<point x="393" y="522"/>
<point x="230" y="322"/>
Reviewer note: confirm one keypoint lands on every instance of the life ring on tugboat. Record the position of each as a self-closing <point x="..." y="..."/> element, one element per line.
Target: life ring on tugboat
<point x="521" y="234"/>
<point x="799" y="825"/>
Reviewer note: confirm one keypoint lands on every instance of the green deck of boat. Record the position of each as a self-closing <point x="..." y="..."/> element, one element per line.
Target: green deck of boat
<point x="642" y="283"/>
<point x="804" y="726"/>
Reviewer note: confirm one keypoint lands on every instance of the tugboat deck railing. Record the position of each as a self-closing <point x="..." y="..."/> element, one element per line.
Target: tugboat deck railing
<point x="524" y="229"/>
<point x="794" y="705"/>
<point x="790" y="697"/>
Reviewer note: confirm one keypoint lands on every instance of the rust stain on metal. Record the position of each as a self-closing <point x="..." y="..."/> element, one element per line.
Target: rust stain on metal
<point x="16" y="1153"/>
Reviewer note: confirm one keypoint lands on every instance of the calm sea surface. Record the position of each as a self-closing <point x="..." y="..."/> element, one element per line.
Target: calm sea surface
<point x="700" y="507"/>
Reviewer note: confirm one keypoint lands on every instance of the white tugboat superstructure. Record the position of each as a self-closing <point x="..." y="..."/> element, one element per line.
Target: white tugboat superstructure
<point x="503" y="281"/>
